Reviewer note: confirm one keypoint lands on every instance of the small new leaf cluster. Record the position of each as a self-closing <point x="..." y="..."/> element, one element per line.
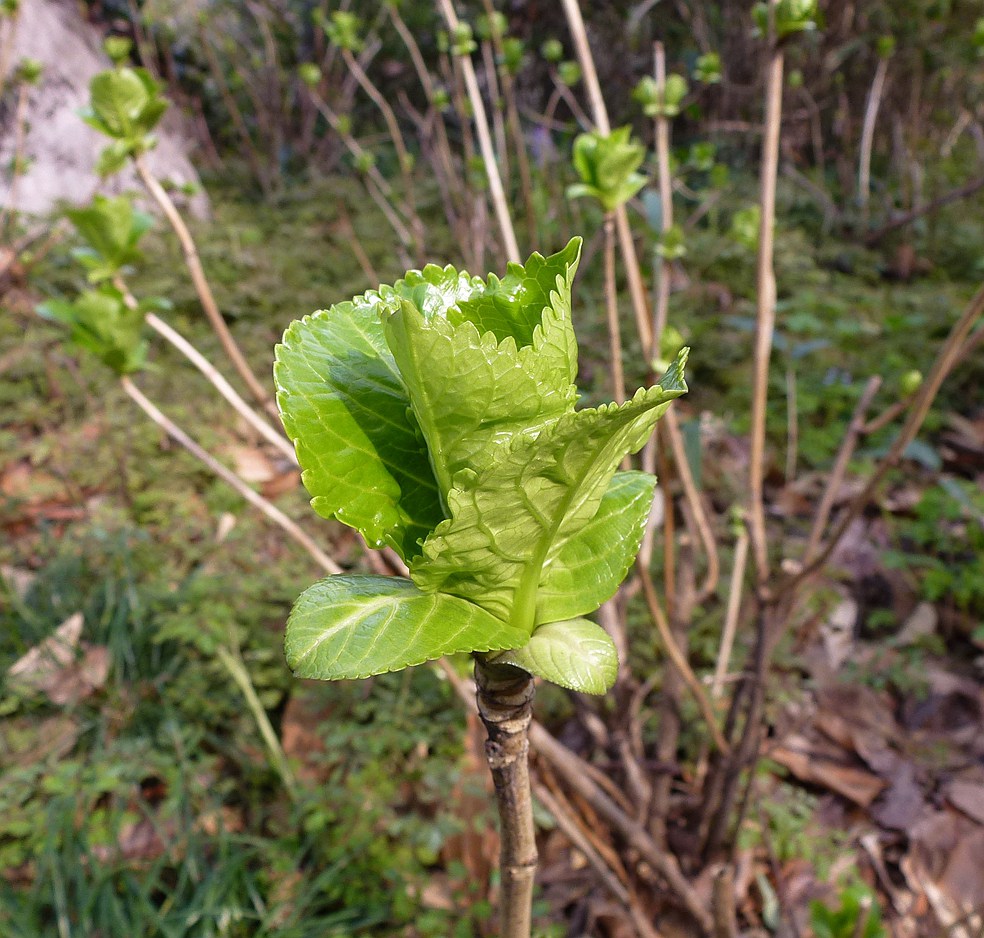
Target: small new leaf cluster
<point x="607" y="166"/>
<point x="126" y="105"/>
<point x="101" y="320"/>
<point x="707" y="68"/>
<point x="661" y="102"/>
<point x="101" y="323"/>
<point x="437" y="416"/>
<point x="791" y="17"/>
<point x="112" y="229"/>
<point x="343" y="30"/>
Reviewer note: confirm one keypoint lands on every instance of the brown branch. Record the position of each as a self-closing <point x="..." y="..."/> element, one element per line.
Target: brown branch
<point x="927" y="208"/>
<point x="228" y="476"/>
<point x="202" y="288"/>
<point x="679" y="661"/>
<point x="848" y="444"/>
<point x="572" y="769"/>
<point x="505" y="704"/>
<point x="765" y="316"/>
<point x="611" y="311"/>
<point x="946" y="359"/>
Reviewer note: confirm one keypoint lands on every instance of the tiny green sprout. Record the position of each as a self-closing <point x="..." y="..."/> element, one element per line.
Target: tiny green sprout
<point x="29" y="71"/>
<point x="672" y="244"/>
<point x="343" y="29"/>
<point x="443" y="41"/>
<point x="791" y="17"/>
<point x="745" y="227"/>
<point x="701" y="156"/>
<point x="707" y="69"/>
<point x="112" y="229"/>
<point x="441" y="98"/>
<point x="9" y="7"/>
<point x="513" y="54"/>
<point x="607" y="166"/>
<point x="492" y="27"/>
<point x="118" y="48"/>
<point x="365" y="161"/>
<point x="569" y="73"/>
<point x="344" y="124"/>
<point x="552" y="50"/>
<point x="462" y="40"/>
<point x="795" y="78"/>
<point x="310" y="74"/>
<point x="911" y="382"/>
<point x="654" y="104"/>
<point x="438" y="417"/>
<point x="885" y="47"/>
<point x="100" y="322"/>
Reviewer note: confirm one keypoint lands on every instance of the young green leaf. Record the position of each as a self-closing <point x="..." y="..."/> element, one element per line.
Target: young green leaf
<point x="355" y="626"/>
<point x="590" y="566"/>
<point x="473" y="390"/>
<point x="575" y="653"/>
<point x="511" y="519"/>
<point x="607" y="166"/>
<point x="345" y="407"/>
<point x="125" y="103"/>
<point x="112" y="228"/>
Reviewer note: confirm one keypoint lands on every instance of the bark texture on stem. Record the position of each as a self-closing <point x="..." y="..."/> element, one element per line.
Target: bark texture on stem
<point x="505" y="704"/>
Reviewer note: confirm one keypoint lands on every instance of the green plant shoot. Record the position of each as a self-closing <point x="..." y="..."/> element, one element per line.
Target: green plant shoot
<point x="437" y="417"/>
<point x="101" y="323"/>
<point x="112" y="229"/>
<point x="607" y="166"/>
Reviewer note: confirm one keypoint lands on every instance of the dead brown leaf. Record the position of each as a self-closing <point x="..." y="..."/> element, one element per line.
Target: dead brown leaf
<point x="810" y="765"/>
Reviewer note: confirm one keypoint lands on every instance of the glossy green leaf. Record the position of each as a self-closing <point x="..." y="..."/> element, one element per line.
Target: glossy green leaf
<point x="513" y="305"/>
<point x="590" y="566"/>
<point x="355" y="626"/>
<point x="510" y="520"/>
<point x="345" y="407"/>
<point x="574" y="653"/>
<point x="472" y="392"/>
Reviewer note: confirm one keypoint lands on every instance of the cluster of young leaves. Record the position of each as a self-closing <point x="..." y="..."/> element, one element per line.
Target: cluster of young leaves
<point x="707" y="68"/>
<point x="437" y="416"/>
<point x="126" y="105"/>
<point x="103" y="324"/>
<point x="343" y="30"/>
<point x="111" y="228"/>
<point x="661" y="102"/>
<point x="607" y="165"/>
<point x="791" y="17"/>
<point x="100" y="319"/>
